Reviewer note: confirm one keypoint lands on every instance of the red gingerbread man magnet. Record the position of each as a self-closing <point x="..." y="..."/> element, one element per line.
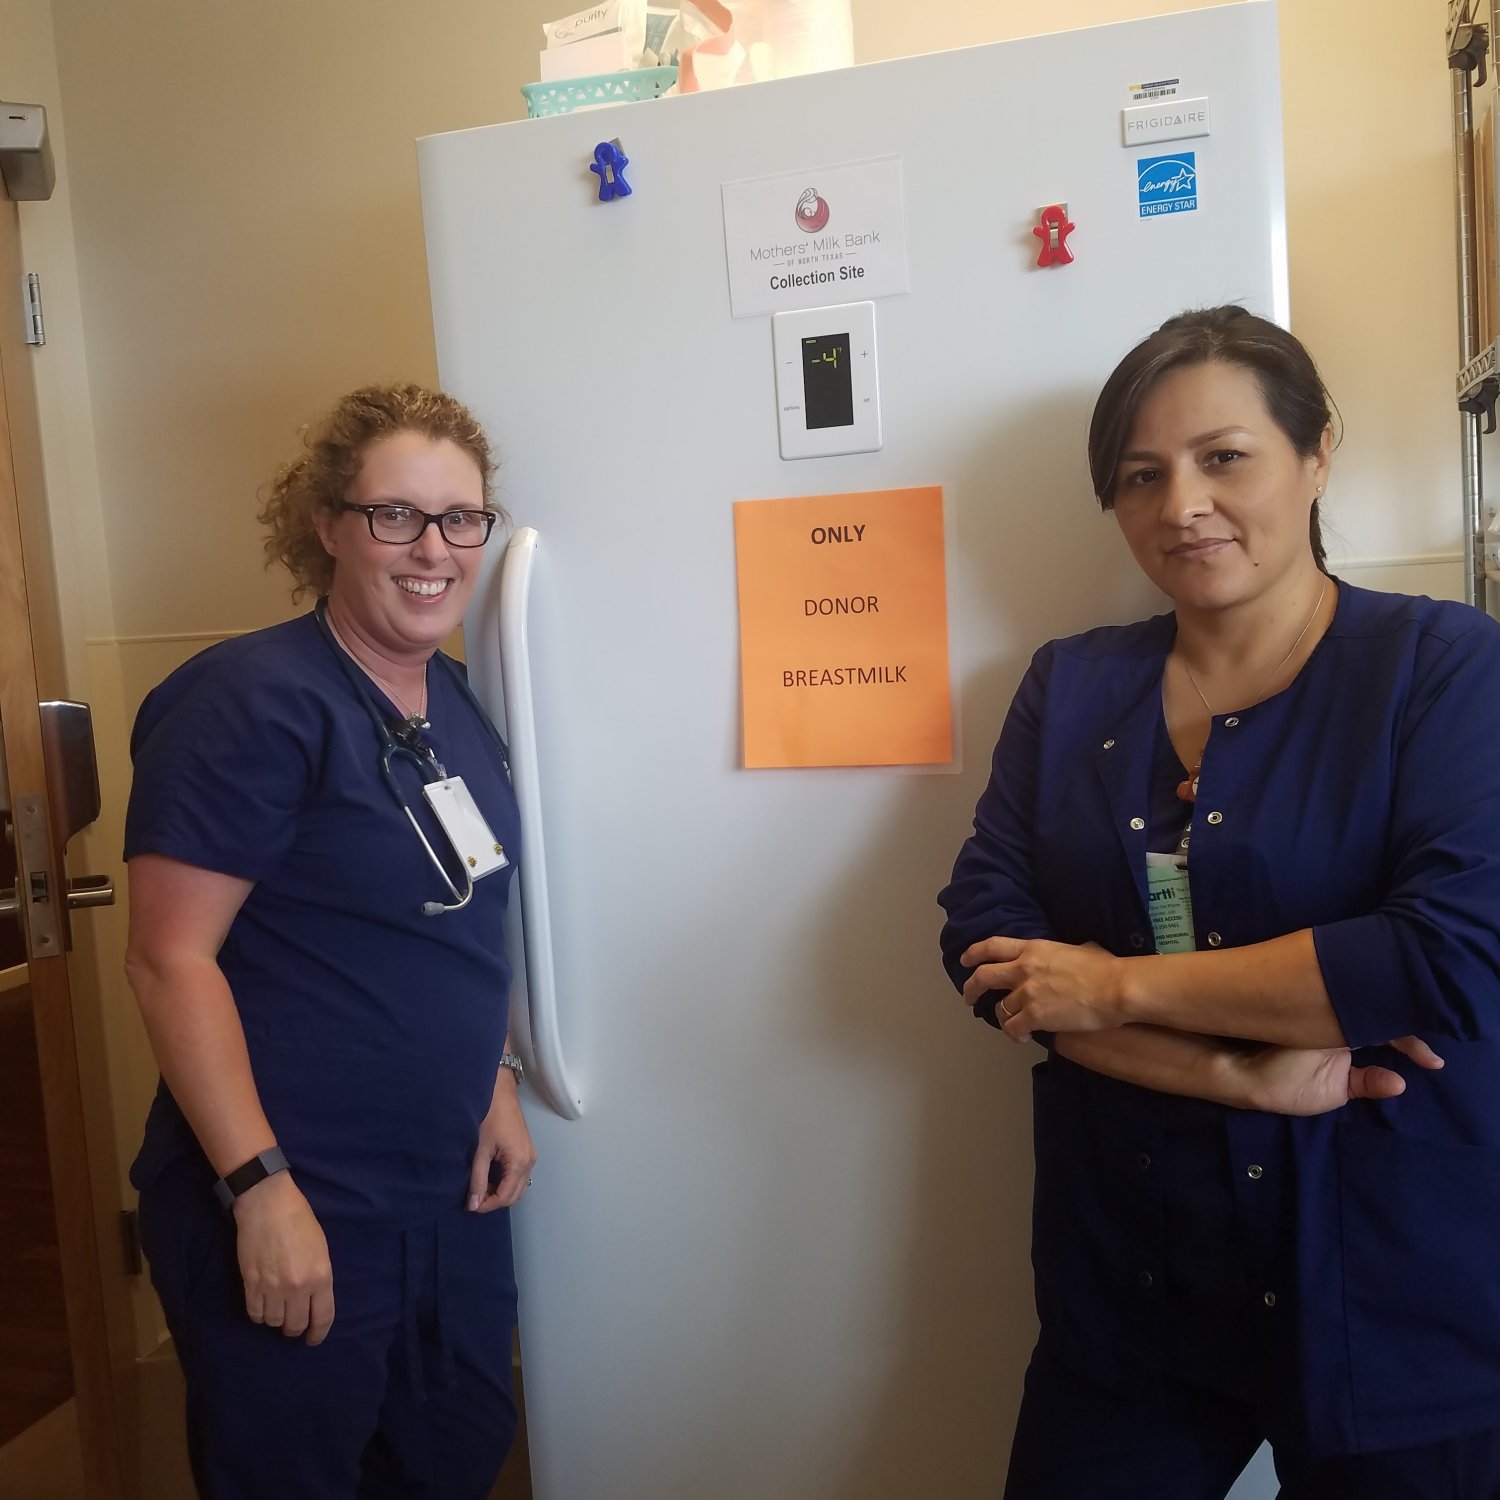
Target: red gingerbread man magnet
<point x="1053" y="230"/>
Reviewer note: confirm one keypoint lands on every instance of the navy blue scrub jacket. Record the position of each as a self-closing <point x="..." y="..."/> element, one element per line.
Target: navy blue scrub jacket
<point x="1362" y="802"/>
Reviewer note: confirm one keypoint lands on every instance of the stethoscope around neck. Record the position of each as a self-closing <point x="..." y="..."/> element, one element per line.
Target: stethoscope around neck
<point x="403" y="741"/>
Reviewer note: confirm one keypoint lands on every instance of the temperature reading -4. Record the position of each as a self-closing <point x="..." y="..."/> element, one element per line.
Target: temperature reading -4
<point x="827" y="387"/>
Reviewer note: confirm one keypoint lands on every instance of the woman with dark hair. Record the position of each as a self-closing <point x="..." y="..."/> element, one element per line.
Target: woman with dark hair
<point x="1238" y="868"/>
<point x="320" y="838"/>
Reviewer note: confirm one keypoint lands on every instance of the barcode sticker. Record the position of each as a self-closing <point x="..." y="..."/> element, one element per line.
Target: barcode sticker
<point x="1158" y="88"/>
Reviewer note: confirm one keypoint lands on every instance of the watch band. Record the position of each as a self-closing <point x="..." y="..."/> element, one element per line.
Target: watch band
<point x="513" y="1062"/>
<point x="242" y="1179"/>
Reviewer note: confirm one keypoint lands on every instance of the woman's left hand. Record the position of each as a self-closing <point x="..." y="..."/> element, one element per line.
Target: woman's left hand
<point x="1314" y="1080"/>
<point x="1052" y="986"/>
<point x="503" y="1138"/>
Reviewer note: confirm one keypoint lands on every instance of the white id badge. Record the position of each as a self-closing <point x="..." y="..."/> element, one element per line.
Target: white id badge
<point x="454" y="807"/>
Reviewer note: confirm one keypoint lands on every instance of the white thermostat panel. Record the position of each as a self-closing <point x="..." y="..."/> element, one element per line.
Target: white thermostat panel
<point x="827" y="387"/>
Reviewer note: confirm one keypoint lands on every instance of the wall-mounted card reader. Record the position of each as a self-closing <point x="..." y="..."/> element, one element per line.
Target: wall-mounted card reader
<point x="827" y="385"/>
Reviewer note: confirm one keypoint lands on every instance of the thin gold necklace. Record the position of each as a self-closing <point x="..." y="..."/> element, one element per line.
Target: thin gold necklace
<point x="417" y="720"/>
<point x="1187" y="790"/>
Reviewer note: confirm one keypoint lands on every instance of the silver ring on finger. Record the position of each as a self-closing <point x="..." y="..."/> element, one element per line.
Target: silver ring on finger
<point x="1009" y="1014"/>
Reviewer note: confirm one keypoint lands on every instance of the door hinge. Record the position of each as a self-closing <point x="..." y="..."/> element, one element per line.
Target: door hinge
<point x="130" y="1242"/>
<point x="35" y="332"/>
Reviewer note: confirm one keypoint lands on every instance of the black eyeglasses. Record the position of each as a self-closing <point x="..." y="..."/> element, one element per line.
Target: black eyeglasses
<point x="401" y="525"/>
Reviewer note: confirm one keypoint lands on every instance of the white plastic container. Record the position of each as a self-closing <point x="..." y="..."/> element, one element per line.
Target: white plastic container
<point x="799" y="36"/>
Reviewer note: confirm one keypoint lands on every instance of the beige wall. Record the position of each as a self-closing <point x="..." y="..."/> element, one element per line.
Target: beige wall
<point x="1374" y="289"/>
<point x="239" y="189"/>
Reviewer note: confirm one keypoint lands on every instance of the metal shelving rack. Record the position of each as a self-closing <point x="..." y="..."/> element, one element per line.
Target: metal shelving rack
<point x="1468" y="40"/>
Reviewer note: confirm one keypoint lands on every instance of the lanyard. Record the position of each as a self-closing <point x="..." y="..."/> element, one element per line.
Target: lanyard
<point x="382" y="725"/>
<point x="405" y="743"/>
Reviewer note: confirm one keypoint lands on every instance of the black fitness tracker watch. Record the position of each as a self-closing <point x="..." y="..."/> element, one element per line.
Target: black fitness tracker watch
<point x="242" y="1179"/>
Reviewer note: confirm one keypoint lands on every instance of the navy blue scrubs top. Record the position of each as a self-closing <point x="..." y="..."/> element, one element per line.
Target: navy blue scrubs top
<point x="374" y="1031"/>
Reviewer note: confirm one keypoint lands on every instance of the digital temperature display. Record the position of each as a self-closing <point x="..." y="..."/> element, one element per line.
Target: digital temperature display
<point x="827" y="381"/>
<point x="827" y="384"/>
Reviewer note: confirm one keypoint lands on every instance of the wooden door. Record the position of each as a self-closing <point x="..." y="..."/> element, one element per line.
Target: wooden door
<point x="59" y="1331"/>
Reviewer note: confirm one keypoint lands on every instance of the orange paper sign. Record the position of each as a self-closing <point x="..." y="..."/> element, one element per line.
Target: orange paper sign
<point x="844" y="630"/>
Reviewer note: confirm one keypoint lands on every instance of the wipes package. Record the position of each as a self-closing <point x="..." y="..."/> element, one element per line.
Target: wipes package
<point x="606" y="53"/>
<point x="622" y="21"/>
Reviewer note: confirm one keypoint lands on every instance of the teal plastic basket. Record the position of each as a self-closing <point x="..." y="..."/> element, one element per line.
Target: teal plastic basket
<point x="599" y="88"/>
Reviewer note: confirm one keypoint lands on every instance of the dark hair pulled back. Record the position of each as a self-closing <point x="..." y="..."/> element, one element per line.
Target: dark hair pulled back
<point x="1289" y="383"/>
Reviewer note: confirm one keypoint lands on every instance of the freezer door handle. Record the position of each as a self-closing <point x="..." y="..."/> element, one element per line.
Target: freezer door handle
<point x="548" y="1068"/>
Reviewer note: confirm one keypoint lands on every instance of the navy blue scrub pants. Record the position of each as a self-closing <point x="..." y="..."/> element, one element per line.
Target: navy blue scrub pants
<point x="408" y="1398"/>
<point x="1076" y="1440"/>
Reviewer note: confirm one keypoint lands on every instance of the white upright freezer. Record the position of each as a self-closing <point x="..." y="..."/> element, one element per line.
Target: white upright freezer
<point x="781" y="1253"/>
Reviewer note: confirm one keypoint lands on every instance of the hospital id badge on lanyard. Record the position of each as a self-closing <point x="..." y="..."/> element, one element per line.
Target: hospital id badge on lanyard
<point x="1171" y="903"/>
<point x="453" y="805"/>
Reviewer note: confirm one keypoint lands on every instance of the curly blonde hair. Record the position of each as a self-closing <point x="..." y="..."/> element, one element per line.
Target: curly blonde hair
<point x="336" y="447"/>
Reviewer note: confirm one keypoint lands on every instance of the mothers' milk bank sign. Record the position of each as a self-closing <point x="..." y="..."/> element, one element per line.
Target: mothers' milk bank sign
<point x="808" y="239"/>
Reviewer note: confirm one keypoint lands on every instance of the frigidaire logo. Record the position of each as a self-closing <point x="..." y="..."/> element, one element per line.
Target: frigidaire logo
<point x="812" y="212"/>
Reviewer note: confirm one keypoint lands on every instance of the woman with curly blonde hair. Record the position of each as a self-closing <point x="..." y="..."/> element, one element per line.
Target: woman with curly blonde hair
<point x="320" y="839"/>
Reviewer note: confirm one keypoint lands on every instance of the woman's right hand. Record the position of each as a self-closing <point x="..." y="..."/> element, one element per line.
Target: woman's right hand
<point x="1314" y="1080"/>
<point x="283" y="1257"/>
